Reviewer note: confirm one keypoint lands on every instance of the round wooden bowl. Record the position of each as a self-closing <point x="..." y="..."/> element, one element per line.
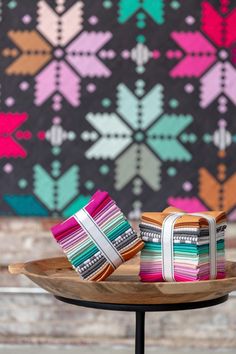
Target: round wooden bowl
<point x="123" y="287"/>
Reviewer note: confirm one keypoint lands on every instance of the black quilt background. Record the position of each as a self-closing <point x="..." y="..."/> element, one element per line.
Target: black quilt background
<point x="56" y="178"/>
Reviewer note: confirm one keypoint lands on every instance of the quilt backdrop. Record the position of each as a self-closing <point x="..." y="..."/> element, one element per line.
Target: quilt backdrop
<point x="137" y="97"/>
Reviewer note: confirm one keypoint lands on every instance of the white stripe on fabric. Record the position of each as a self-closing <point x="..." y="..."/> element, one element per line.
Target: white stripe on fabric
<point x="99" y="238"/>
<point x="212" y="244"/>
<point x="167" y="242"/>
<point x="167" y="246"/>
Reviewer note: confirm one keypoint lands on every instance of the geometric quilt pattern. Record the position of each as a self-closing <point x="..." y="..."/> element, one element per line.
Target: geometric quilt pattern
<point x="137" y="97"/>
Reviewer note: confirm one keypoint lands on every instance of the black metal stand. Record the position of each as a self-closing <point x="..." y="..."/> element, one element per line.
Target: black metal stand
<point x="140" y="312"/>
<point x="140" y="332"/>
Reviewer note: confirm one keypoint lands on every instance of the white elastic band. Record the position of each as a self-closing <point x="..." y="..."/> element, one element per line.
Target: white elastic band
<point x="167" y="246"/>
<point x="212" y="244"/>
<point x="167" y="235"/>
<point x="99" y="238"/>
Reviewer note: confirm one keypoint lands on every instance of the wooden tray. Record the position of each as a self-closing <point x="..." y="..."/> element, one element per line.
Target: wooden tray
<point x="123" y="286"/>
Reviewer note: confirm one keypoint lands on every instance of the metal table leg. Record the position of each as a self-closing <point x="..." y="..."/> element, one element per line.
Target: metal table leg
<point x="140" y="311"/>
<point x="140" y="332"/>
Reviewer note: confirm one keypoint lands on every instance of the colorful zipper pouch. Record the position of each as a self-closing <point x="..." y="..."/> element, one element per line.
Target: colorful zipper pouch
<point x="182" y="247"/>
<point x="98" y="238"/>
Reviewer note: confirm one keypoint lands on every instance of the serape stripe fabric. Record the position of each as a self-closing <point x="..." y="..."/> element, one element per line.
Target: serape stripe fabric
<point x="84" y="255"/>
<point x="190" y="244"/>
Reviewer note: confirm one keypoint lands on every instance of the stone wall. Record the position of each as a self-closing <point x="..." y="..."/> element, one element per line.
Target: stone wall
<point x="29" y="315"/>
<point x="41" y="318"/>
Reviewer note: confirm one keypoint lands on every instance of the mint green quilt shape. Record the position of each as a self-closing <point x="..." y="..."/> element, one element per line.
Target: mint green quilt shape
<point x="154" y="8"/>
<point x="119" y="130"/>
<point x="162" y="137"/>
<point x="140" y="113"/>
<point x="56" y="193"/>
<point x="139" y="136"/>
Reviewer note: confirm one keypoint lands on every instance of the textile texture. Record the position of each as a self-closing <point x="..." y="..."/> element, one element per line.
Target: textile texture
<point x="79" y="242"/>
<point x="134" y="97"/>
<point x="191" y="246"/>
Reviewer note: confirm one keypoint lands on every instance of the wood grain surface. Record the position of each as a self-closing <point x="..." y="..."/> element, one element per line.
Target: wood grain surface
<point x="123" y="287"/>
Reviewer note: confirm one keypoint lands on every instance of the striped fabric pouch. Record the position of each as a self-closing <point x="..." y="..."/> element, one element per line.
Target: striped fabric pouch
<point x="98" y="238"/>
<point x="182" y="247"/>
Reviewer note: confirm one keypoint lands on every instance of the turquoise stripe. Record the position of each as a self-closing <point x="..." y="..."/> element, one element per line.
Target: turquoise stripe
<point x="183" y="248"/>
<point x="78" y="257"/>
